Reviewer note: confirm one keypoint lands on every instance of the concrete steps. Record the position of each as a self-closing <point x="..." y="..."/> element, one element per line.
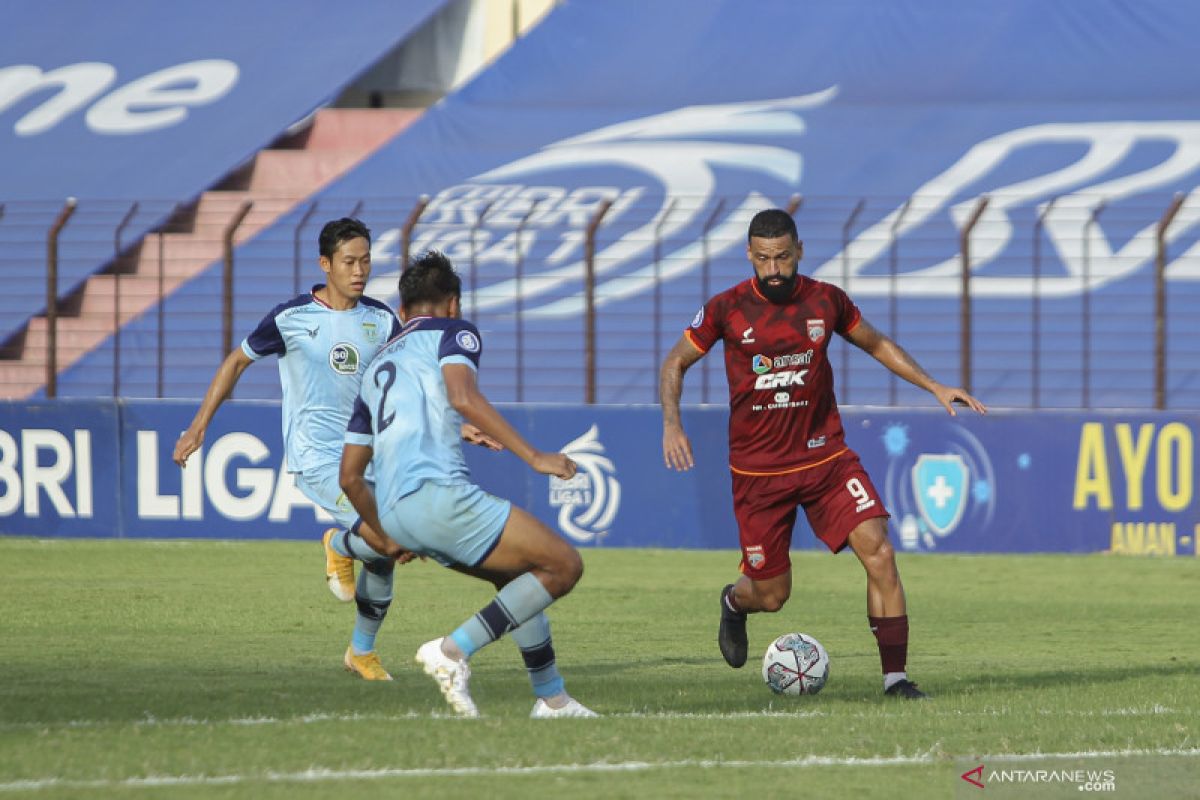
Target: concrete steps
<point x="278" y="179"/>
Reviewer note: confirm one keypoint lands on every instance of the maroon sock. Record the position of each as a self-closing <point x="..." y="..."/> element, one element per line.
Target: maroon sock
<point x="731" y="602"/>
<point x="891" y="634"/>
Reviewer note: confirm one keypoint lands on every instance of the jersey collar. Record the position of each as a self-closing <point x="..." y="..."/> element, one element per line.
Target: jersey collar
<point x="316" y="299"/>
<point x="802" y="281"/>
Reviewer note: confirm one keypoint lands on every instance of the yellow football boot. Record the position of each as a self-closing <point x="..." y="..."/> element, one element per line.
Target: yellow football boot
<point x="366" y="666"/>
<point x="339" y="569"/>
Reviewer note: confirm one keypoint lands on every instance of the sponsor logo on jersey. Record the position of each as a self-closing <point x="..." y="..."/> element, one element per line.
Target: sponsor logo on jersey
<point x="782" y="397"/>
<point x="761" y="364"/>
<point x="698" y="320"/>
<point x="467" y="341"/>
<point x="813" y="444"/>
<point x="793" y="360"/>
<point x="816" y="330"/>
<point x="344" y="358"/>
<point x="748" y="336"/>
<point x="781" y="380"/>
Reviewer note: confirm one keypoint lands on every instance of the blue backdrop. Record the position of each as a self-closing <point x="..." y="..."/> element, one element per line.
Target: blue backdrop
<point x="1008" y="482"/>
<point x="691" y="116"/>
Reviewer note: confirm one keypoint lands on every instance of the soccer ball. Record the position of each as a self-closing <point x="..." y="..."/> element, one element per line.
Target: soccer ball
<point x="795" y="663"/>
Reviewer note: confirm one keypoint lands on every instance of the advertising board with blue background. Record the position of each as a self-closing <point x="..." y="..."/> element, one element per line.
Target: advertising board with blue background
<point x="155" y="102"/>
<point x="1010" y="482"/>
<point x="689" y="117"/>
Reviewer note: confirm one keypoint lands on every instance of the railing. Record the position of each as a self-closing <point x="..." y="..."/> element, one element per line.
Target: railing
<point x="513" y="259"/>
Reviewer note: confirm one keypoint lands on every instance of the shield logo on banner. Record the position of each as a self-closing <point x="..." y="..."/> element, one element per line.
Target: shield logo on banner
<point x="940" y="489"/>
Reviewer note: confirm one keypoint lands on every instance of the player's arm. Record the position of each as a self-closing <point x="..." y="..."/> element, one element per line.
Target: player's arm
<point x="352" y="479"/>
<point x="677" y="449"/>
<point x="465" y="397"/>
<point x="473" y="435"/>
<point x="870" y="339"/>
<point x="227" y="376"/>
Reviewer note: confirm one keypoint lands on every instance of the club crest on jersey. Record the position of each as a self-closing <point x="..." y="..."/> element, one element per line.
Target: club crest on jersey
<point x="371" y="331"/>
<point x="698" y="320"/>
<point x="344" y="358"/>
<point x="760" y="364"/>
<point x="816" y="330"/>
<point x="467" y="341"/>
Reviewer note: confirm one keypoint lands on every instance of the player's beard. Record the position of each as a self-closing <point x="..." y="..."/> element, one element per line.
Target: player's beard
<point x="778" y="293"/>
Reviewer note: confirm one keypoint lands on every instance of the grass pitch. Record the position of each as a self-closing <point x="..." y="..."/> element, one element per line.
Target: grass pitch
<point x="213" y="669"/>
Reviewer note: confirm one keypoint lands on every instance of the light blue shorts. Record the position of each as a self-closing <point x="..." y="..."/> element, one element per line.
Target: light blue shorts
<point x="321" y="485"/>
<point x="455" y="523"/>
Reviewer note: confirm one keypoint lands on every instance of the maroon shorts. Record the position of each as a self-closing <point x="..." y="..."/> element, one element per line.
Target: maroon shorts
<point x="836" y="495"/>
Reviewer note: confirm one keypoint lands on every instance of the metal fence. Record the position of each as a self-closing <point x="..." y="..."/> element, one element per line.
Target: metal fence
<point x="921" y="284"/>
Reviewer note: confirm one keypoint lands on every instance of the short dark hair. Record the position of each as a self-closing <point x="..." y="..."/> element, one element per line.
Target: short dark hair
<point x="771" y="224"/>
<point x="429" y="279"/>
<point x="341" y="230"/>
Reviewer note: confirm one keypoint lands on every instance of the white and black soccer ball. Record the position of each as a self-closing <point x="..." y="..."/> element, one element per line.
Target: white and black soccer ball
<point x="795" y="663"/>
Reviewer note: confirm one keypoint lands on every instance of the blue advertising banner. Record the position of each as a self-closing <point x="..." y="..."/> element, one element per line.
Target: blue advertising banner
<point x="892" y="121"/>
<point x="154" y="102"/>
<point x="1010" y="482"/>
<point x="59" y="474"/>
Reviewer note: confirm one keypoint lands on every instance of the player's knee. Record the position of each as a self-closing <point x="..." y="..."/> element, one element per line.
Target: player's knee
<point x="571" y="568"/>
<point x="565" y="572"/>
<point x="884" y="558"/>
<point x="774" y="600"/>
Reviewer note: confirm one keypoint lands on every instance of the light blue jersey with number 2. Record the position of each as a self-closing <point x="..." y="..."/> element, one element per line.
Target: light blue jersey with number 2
<point x="402" y="410"/>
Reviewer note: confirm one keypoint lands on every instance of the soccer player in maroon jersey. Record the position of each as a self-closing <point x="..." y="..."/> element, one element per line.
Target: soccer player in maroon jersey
<point x="786" y="444"/>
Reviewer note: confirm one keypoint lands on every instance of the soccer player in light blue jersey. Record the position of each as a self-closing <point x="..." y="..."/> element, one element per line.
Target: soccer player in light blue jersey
<point x="324" y="340"/>
<point x="406" y="420"/>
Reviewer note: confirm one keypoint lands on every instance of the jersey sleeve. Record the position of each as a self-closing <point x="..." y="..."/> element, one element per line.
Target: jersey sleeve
<point x="848" y="315"/>
<point x="265" y="340"/>
<point x="460" y="344"/>
<point x="708" y="326"/>
<point x="358" y="430"/>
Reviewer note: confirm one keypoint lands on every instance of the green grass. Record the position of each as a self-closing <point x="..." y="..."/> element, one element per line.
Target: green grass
<point x="215" y="669"/>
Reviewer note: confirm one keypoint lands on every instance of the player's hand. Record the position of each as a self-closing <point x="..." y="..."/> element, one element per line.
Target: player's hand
<point x="677" y="449"/>
<point x="402" y="556"/>
<point x="950" y="396"/>
<point x="473" y="435"/>
<point x="556" y="464"/>
<point x="189" y="442"/>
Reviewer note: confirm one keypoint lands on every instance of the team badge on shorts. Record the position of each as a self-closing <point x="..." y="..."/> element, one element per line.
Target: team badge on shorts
<point x="816" y="330"/>
<point x="755" y="556"/>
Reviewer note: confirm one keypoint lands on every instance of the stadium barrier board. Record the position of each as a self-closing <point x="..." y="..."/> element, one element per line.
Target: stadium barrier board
<point x="1010" y="482"/>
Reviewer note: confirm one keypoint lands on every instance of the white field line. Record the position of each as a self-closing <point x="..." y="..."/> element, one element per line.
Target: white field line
<point x="321" y="774"/>
<point x="310" y="719"/>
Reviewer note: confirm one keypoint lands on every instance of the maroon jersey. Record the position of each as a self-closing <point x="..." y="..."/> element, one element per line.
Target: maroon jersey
<point x="782" y="412"/>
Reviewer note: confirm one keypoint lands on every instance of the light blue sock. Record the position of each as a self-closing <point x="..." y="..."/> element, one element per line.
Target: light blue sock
<point x="373" y="595"/>
<point x="516" y="603"/>
<point x="537" y="649"/>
